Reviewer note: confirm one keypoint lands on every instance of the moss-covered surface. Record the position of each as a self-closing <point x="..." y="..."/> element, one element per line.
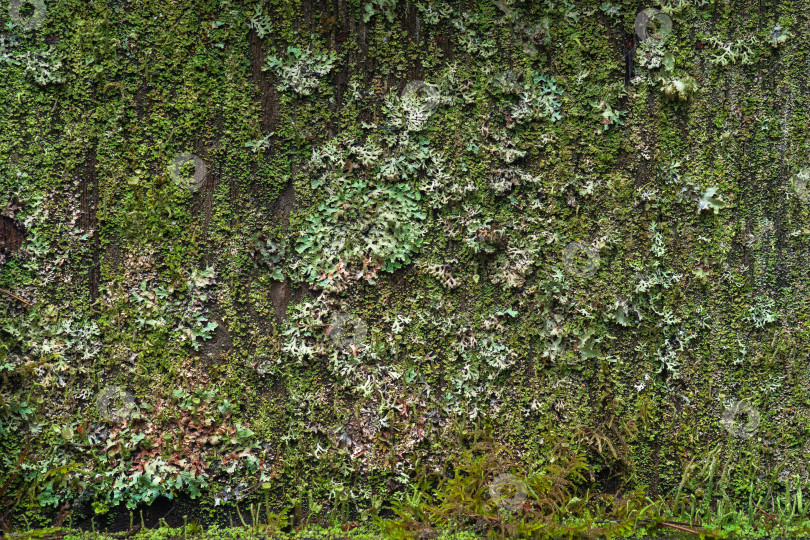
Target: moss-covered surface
<point x="237" y="533"/>
<point x="301" y="253"/>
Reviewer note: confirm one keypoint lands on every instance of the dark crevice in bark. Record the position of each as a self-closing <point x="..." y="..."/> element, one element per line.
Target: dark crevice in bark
<point x="88" y="220"/>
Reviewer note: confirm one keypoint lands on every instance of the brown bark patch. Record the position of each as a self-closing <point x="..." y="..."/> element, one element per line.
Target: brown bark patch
<point x="88" y="219"/>
<point x="284" y="205"/>
<point x="269" y="95"/>
<point x="11" y="237"/>
<point x="280" y="297"/>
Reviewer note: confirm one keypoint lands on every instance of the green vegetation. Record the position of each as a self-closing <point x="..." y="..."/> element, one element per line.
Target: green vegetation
<point x="363" y="265"/>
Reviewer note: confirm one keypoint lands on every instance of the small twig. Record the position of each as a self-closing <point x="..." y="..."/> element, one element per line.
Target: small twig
<point x="670" y="524"/>
<point x="15" y="297"/>
<point x="773" y="517"/>
<point x="14" y="473"/>
<point x="684" y="529"/>
<point x="3" y="525"/>
<point x="679" y="523"/>
<point x="765" y="512"/>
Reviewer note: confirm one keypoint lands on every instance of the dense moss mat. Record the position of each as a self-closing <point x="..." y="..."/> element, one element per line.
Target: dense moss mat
<point x="371" y="532"/>
<point x="237" y="533"/>
<point x="312" y="255"/>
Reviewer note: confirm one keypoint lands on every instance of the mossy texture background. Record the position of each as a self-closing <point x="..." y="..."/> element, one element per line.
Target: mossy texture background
<point x="405" y="220"/>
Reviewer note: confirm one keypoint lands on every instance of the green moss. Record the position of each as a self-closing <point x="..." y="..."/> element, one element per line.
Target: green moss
<point x="442" y="224"/>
